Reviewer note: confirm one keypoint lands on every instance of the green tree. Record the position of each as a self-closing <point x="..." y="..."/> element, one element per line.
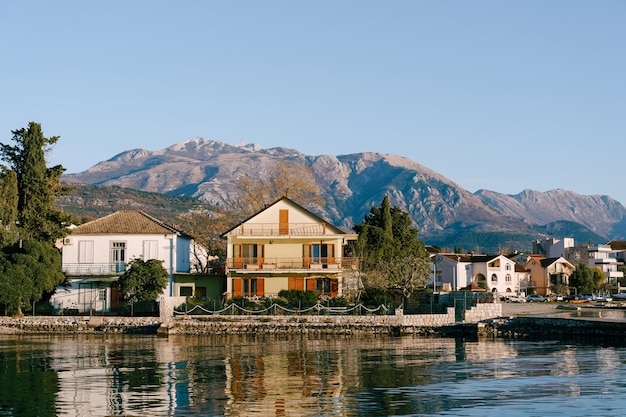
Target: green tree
<point x="585" y="279"/>
<point x="392" y="256"/>
<point x="28" y="269"/>
<point x="8" y="206"/>
<point x="30" y="263"/>
<point x="143" y="280"/>
<point x="37" y="185"/>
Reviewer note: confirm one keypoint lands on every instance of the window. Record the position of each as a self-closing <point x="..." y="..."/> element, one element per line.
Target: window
<point x="102" y="294"/>
<point x="250" y="286"/>
<point x="507" y="278"/>
<point x="508" y="267"/>
<point x="150" y="250"/>
<point x="322" y="285"/>
<point x="85" y="251"/>
<point x="494" y="278"/>
<point x="118" y="256"/>
<point x="185" y="291"/>
<point x="249" y="253"/>
<point x="320" y="253"/>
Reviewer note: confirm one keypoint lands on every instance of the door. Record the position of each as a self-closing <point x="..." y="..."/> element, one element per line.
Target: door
<point x="118" y="256"/>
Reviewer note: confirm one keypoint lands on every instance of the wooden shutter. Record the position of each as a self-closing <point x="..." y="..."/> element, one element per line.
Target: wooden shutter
<point x="331" y="254"/>
<point x="310" y="284"/>
<point x="283" y="222"/>
<point x="237" y="291"/>
<point x="334" y="287"/>
<point x="295" y="283"/>
<point x="306" y="255"/>
<point x="237" y="257"/>
<point x="260" y="252"/>
<point x="260" y="287"/>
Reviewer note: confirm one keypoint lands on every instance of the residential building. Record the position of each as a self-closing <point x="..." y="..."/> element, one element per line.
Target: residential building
<point x="285" y="246"/>
<point x="497" y="272"/>
<point x="602" y="257"/>
<point x="547" y="272"/>
<point x="96" y="253"/>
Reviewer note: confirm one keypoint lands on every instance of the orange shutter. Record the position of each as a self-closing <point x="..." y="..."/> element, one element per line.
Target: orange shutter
<point x="283" y="222"/>
<point x="310" y="284"/>
<point x="331" y="254"/>
<point x="306" y="255"/>
<point x="238" y="260"/>
<point x="334" y="287"/>
<point x="295" y="284"/>
<point x="260" y="254"/>
<point x="260" y="287"/>
<point x="237" y="292"/>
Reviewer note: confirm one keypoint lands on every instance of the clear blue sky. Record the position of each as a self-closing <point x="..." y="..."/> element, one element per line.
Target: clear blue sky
<point x="502" y="95"/>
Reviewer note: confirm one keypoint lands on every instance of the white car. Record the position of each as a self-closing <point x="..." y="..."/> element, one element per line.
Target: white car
<point x="536" y="298"/>
<point x="514" y="299"/>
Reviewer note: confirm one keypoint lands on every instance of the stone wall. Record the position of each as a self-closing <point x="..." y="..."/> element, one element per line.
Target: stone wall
<point x="397" y="324"/>
<point x="551" y="328"/>
<point x="79" y="324"/>
<point x="483" y="311"/>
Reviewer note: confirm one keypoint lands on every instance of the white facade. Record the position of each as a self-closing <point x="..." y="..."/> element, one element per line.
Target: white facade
<point x="457" y="271"/>
<point x="94" y="255"/>
<point x="600" y="257"/>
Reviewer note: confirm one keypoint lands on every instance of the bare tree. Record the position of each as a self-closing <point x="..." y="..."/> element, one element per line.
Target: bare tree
<point x="287" y="179"/>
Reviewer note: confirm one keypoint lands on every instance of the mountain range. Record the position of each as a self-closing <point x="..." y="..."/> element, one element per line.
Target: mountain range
<point x="445" y="214"/>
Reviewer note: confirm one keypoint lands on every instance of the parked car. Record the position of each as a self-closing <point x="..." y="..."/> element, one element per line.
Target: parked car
<point x="603" y="298"/>
<point x="556" y="297"/>
<point x="620" y="296"/>
<point x="514" y="299"/>
<point x="536" y="298"/>
<point x="577" y="299"/>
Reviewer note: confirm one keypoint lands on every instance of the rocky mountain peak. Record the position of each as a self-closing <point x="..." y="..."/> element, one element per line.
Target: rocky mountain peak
<point x="351" y="184"/>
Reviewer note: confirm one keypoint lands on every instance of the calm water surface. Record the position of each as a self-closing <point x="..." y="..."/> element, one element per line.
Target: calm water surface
<point x="296" y="376"/>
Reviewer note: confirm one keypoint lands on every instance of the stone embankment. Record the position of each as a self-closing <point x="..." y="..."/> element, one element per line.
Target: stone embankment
<point x="544" y="320"/>
<point x="398" y="324"/>
<point x="78" y="325"/>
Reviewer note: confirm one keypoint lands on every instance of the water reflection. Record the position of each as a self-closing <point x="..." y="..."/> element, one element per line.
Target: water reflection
<point x="293" y="376"/>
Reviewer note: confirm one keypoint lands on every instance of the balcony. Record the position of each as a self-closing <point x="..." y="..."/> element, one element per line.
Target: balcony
<point x="276" y="229"/>
<point x="94" y="269"/>
<point x="273" y="265"/>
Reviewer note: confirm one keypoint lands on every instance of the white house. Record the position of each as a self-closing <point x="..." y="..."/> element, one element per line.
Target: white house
<point x="96" y="253"/>
<point x="498" y="273"/>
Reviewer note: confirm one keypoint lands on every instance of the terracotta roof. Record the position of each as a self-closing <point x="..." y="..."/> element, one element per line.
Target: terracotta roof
<point x="127" y="222"/>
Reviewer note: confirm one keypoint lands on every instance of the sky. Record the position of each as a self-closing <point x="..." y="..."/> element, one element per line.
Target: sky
<point x="497" y="95"/>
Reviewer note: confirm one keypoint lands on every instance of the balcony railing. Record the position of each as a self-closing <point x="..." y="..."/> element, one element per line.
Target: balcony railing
<point x="276" y="229"/>
<point x="269" y="265"/>
<point x="85" y="269"/>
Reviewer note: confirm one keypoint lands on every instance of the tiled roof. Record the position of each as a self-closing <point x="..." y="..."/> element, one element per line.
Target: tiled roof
<point x="127" y="222"/>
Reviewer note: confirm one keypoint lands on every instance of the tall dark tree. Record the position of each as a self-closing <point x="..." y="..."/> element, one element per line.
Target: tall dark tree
<point x="392" y="255"/>
<point x="8" y="206"/>
<point x="30" y="264"/>
<point x="37" y="185"/>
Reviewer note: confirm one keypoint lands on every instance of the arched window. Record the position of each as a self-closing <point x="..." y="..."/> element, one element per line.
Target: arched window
<point x="508" y="267"/>
<point x="507" y="278"/>
<point x="494" y="278"/>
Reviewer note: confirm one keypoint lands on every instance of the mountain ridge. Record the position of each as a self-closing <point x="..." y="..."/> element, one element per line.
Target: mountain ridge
<point x="351" y="184"/>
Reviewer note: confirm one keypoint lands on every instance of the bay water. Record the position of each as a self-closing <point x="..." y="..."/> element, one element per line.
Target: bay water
<point x="124" y="375"/>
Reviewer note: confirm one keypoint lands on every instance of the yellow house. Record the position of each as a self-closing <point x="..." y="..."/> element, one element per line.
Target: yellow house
<point x="284" y="247"/>
<point x="546" y="272"/>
